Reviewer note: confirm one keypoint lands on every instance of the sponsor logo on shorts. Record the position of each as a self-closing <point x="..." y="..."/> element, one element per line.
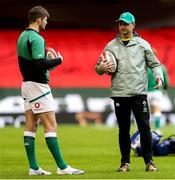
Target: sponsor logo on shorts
<point x="37" y="105"/>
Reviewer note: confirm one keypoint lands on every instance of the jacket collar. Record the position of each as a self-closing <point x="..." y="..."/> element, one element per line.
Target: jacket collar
<point x="132" y="40"/>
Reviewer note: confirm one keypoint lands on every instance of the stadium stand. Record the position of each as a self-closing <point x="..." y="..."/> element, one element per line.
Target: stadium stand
<point x="80" y="49"/>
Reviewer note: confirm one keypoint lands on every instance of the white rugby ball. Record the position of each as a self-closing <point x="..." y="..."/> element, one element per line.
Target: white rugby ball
<point x="110" y="57"/>
<point x="50" y="53"/>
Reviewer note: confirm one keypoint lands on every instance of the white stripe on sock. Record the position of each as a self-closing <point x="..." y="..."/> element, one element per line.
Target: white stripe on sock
<point x="50" y="134"/>
<point x="28" y="133"/>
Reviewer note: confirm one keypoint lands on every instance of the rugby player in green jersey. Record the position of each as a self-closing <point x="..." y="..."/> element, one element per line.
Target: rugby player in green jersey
<point x="38" y="99"/>
<point x="155" y="96"/>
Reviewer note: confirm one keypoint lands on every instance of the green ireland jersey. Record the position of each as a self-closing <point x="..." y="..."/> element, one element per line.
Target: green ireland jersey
<point x="31" y="50"/>
<point x="152" y="82"/>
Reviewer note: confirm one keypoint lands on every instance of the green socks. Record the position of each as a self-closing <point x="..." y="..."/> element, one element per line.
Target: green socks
<point x="29" y="143"/>
<point x="157" y="119"/>
<point x="157" y="122"/>
<point x="51" y="140"/>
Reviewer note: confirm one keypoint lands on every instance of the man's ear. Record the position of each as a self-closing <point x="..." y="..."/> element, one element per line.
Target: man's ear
<point x="39" y="20"/>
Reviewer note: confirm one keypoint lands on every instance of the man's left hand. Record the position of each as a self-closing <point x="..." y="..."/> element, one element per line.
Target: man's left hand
<point x="159" y="84"/>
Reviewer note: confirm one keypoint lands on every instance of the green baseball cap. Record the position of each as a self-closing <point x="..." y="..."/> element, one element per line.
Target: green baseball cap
<point x="127" y="17"/>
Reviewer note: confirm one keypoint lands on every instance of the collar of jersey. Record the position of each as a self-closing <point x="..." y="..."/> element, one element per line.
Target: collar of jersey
<point x="29" y="29"/>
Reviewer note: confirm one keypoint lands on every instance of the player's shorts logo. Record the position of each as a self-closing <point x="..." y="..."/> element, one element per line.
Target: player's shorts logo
<point x="37" y="105"/>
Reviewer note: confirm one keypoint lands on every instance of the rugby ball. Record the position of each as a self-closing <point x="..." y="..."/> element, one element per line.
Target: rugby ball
<point x="50" y="53"/>
<point x="110" y="57"/>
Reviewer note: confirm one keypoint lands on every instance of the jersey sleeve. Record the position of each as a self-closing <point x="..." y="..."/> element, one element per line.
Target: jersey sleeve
<point x="38" y="48"/>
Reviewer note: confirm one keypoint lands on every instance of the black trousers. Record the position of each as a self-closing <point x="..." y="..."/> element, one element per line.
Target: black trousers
<point x="139" y="106"/>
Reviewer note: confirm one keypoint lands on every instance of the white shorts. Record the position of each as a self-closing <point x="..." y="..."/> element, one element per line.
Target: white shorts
<point x="155" y="98"/>
<point x="37" y="97"/>
<point x="161" y="100"/>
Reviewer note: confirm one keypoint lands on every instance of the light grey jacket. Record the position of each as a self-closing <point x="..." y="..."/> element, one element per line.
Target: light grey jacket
<point x="131" y="76"/>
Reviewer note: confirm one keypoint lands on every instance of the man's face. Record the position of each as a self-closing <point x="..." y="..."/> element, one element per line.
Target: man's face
<point x="42" y="23"/>
<point x="126" y="29"/>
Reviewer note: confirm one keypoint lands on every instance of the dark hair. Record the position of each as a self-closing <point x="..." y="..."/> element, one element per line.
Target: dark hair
<point x="37" y="12"/>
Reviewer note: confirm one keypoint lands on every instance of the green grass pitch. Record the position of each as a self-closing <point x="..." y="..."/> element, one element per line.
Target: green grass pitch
<point x="93" y="149"/>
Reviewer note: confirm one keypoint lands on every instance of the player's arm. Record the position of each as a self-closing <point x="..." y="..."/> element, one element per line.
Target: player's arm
<point x="39" y="58"/>
<point x="45" y="64"/>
